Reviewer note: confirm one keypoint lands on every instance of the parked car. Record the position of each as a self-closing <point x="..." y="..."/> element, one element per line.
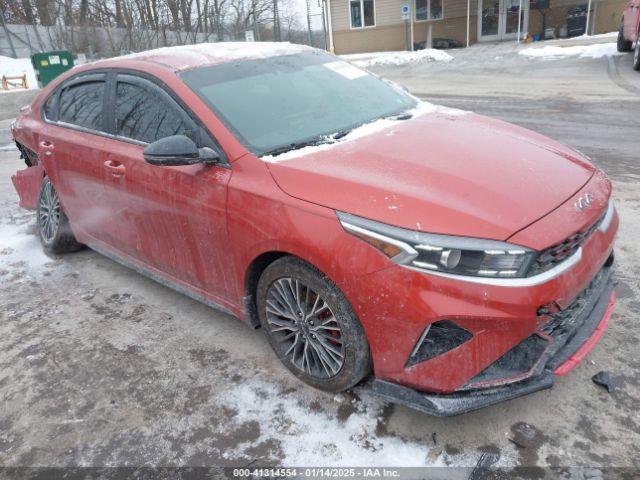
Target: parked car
<point x="576" y="20"/>
<point x="450" y="260"/>
<point x="630" y="31"/>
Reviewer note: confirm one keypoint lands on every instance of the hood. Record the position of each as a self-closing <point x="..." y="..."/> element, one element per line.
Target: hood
<point x="450" y="173"/>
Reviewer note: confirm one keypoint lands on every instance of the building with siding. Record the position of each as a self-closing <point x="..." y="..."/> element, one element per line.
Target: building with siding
<point x="358" y="26"/>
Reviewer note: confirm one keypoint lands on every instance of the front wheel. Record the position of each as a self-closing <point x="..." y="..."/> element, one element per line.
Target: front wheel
<point x="53" y="225"/>
<point x="623" y="44"/>
<point x="636" y="56"/>
<point x="311" y="326"/>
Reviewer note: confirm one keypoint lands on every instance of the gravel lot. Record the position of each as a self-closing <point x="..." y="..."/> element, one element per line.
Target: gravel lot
<point x="102" y="367"/>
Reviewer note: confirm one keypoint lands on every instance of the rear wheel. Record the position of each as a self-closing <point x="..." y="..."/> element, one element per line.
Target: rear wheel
<point x="311" y="326"/>
<point x="53" y="225"/>
<point x="636" y="56"/>
<point x="623" y="45"/>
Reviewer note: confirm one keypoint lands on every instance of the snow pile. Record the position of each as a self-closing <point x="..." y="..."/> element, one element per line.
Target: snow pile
<point x="376" y="126"/>
<point x="14" y="67"/>
<point x="313" y="436"/>
<point x="585" y="37"/>
<point x="597" y="50"/>
<point x="19" y="245"/>
<point x="397" y="58"/>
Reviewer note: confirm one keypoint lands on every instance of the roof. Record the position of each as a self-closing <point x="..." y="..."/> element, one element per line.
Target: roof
<point x="184" y="57"/>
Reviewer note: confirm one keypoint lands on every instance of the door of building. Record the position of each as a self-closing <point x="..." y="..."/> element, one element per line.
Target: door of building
<point x="498" y="19"/>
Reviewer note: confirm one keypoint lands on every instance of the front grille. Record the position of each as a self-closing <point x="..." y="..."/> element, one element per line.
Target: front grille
<point x="552" y="256"/>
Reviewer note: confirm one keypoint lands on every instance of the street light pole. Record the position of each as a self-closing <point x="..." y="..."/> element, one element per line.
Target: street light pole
<point x="519" y="20"/>
<point x="309" y="22"/>
<point x="468" y="20"/>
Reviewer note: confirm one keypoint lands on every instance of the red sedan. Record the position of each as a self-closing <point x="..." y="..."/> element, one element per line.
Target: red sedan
<point x="451" y="260"/>
<point x="629" y="32"/>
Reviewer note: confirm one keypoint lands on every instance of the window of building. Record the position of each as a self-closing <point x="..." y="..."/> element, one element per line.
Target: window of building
<point x="81" y="104"/>
<point x="142" y="114"/>
<point x="362" y="13"/>
<point x="429" y="10"/>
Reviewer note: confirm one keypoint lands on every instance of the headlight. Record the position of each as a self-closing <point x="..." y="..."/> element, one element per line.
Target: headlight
<point x="442" y="253"/>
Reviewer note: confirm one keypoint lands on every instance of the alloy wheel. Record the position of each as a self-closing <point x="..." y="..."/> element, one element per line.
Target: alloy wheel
<point x="49" y="213"/>
<point x="305" y="328"/>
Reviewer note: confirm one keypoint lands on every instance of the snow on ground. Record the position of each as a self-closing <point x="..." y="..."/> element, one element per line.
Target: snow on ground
<point x="600" y="36"/>
<point x="20" y="248"/>
<point x="597" y="50"/>
<point x="396" y="58"/>
<point x="366" y="129"/>
<point x="13" y="67"/>
<point x="309" y="435"/>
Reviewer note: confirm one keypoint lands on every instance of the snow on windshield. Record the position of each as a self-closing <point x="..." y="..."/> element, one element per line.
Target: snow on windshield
<point x="376" y="126"/>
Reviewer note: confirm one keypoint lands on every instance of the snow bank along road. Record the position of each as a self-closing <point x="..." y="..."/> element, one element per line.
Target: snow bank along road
<point x="100" y="366"/>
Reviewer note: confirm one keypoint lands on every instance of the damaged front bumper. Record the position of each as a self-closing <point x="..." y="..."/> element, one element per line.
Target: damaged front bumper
<point x="530" y="366"/>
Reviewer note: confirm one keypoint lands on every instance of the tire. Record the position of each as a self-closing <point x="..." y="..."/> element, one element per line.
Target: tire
<point x="623" y="45"/>
<point x="636" y="56"/>
<point x="324" y="324"/>
<point x="53" y="225"/>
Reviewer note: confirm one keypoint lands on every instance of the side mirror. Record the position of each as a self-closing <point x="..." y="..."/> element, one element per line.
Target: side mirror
<point x="178" y="150"/>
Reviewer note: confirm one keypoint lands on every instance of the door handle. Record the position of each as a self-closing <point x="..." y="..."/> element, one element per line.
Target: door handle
<point x="115" y="168"/>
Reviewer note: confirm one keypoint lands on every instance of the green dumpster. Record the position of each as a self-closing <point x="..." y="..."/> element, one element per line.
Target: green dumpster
<point x="49" y="65"/>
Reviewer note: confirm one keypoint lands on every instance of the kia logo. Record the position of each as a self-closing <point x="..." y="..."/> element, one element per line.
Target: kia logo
<point x="583" y="202"/>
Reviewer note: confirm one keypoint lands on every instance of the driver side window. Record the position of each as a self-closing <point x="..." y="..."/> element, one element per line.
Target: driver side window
<point x="146" y="115"/>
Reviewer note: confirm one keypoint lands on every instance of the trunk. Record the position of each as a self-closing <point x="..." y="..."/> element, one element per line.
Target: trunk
<point x="44" y="9"/>
<point x="84" y="12"/>
<point x="28" y="12"/>
<point x="175" y="13"/>
<point x="119" y="19"/>
<point x="186" y="14"/>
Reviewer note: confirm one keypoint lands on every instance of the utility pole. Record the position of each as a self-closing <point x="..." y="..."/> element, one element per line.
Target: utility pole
<point x="324" y="25"/>
<point x="7" y="33"/>
<point x="309" y="22"/>
<point x="329" y="25"/>
<point x="256" y="28"/>
<point x="276" y="22"/>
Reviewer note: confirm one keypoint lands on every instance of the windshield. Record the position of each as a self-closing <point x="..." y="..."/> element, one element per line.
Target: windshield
<point x="284" y="102"/>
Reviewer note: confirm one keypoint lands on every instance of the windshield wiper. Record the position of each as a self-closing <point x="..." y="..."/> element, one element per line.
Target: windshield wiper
<point x="341" y="133"/>
<point x="401" y="116"/>
<point x="319" y="140"/>
<point x="295" y="146"/>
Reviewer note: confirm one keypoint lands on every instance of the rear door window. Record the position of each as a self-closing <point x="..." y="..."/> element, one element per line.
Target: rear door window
<point x="82" y="103"/>
<point x="145" y="113"/>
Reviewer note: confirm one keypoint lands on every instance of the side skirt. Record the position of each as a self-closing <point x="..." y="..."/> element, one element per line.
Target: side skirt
<point x="150" y="273"/>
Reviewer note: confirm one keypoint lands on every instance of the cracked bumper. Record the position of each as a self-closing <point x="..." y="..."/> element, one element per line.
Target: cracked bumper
<point x="558" y="358"/>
